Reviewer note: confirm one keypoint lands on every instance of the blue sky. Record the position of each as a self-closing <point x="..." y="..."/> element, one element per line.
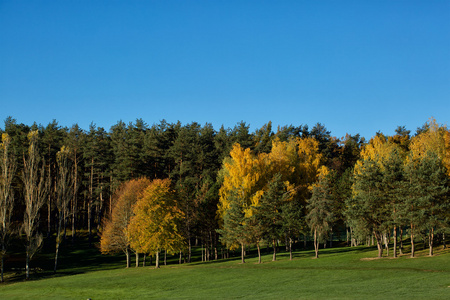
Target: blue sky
<point x="354" y="66"/>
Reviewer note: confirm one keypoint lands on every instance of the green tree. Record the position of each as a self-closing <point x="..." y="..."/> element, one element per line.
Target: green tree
<point x="321" y="207"/>
<point x="428" y="204"/>
<point x="74" y="140"/>
<point x="368" y="208"/>
<point x="235" y="229"/>
<point x="269" y="213"/>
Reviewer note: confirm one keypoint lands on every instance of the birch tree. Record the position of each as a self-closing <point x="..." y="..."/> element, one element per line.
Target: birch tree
<point x="64" y="191"/>
<point x="8" y="168"/>
<point x="35" y="191"/>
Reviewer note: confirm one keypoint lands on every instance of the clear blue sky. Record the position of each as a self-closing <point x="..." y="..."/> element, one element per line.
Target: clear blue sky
<point x="354" y="66"/>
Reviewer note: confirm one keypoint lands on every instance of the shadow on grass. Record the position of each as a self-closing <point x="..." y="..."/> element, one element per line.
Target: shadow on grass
<point x="283" y="255"/>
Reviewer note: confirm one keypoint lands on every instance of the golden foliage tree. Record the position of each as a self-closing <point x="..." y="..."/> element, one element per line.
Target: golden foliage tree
<point x="435" y="139"/>
<point x="114" y="237"/>
<point x="246" y="177"/>
<point x="155" y="225"/>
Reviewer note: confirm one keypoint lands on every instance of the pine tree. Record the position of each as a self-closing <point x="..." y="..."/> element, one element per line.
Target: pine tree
<point x="269" y="211"/>
<point x="321" y="208"/>
<point x="234" y="231"/>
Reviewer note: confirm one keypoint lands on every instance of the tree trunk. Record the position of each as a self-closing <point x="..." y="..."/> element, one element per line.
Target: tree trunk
<point x="74" y="200"/>
<point x="137" y="259"/>
<point x="165" y="257"/>
<point x="412" y="240"/>
<point x="2" y="264"/>
<point x="181" y="257"/>
<point x="430" y="241"/>
<point x="259" y="253"/>
<point x="443" y="241"/>
<point x="379" y="238"/>
<point x="347" y="235"/>
<point x="316" y="244"/>
<point x="56" y="257"/>
<point x="157" y="260"/>
<point x="127" y="253"/>
<point x="274" y="244"/>
<point x="58" y="240"/>
<point x="290" y="248"/>
<point x="304" y="241"/>
<point x="190" y="251"/>
<point x="401" y="240"/>
<point x="395" y="241"/>
<point x="386" y="243"/>
<point x="242" y="253"/>
<point x="143" y="262"/>
<point x="27" y="266"/>
<point x="49" y="214"/>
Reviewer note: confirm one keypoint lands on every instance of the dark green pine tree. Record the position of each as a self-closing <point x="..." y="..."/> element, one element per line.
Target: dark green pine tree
<point x="75" y="140"/>
<point x="223" y="142"/>
<point x="269" y="211"/>
<point x="293" y="221"/>
<point x="321" y="210"/>
<point x="285" y="133"/>
<point x="97" y="156"/>
<point x="185" y="154"/>
<point x="393" y="183"/>
<point x="427" y="205"/>
<point x="368" y="210"/>
<point x="125" y="145"/>
<point x="52" y="140"/>
<point x="241" y="134"/>
<point x="262" y="138"/>
<point x="234" y="231"/>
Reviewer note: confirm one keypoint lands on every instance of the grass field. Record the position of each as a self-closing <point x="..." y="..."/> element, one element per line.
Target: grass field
<point x="339" y="273"/>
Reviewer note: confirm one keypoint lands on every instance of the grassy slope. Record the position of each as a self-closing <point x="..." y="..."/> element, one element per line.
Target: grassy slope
<point x="339" y="273"/>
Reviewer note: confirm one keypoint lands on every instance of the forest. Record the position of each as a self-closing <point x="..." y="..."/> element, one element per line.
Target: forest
<point x="162" y="189"/>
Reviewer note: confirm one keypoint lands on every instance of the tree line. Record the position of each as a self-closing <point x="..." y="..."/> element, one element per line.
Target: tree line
<point x="223" y="188"/>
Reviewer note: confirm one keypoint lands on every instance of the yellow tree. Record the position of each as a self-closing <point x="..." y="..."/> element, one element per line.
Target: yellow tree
<point x="435" y="139"/>
<point x="242" y="175"/>
<point x="114" y="237"/>
<point x="246" y="177"/>
<point x="155" y="225"/>
<point x="310" y="160"/>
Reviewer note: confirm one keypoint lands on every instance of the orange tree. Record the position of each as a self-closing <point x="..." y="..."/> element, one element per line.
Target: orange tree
<point x="114" y="237"/>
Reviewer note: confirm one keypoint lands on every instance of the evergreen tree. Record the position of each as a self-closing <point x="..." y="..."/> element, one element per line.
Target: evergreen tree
<point x="269" y="211"/>
<point x="234" y="231"/>
<point x="427" y="205"/>
<point x="321" y="208"/>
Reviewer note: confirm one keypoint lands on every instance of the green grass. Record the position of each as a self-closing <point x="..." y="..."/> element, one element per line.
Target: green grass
<point x="339" y="273"/>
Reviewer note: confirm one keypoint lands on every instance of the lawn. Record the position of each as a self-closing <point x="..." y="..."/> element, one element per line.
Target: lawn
<point x="339" y="273"/>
